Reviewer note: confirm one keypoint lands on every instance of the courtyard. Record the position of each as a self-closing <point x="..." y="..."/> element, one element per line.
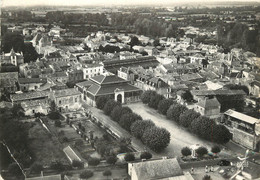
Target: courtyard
<point x="180" y="137"/>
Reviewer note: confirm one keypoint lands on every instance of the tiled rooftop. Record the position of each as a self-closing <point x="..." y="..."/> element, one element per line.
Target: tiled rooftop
<point x="66" y="92"/>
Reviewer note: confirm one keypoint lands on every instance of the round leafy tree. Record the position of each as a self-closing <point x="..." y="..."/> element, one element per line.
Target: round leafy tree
<point x="156" y="138"/>
<point x="146" y="155"/>
<point x="164" y="105"/>
<point x="147" y="95"/>
<point x="127" y="120"/>
<point x="129" y="157"/>
<point x="186" y="151"/>
<point x="86" y="174"/>
<point x="215" y="149"/>
<point x="116" y="113"/>
<point x="154" y="101"/>
<point x="109" y="106"/>
<point x="187" y="117"/>
<point x="101" y="101"/>
<point x="201" y="151"/>
<point x="174" y="112"/>
<point x="221" y="134"/>
<point x="138" y="127"/>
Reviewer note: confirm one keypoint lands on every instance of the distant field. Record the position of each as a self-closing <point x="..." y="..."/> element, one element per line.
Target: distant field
<point x="44" y="147"/>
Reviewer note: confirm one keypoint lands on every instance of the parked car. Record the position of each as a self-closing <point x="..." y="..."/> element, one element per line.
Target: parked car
<point x="224" y="162"/>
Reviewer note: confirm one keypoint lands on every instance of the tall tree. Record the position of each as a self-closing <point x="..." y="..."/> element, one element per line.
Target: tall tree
<point x="156" y="138"/>
<point x="147" y="95"/>
<point x="187" y="117"/>
<point x="186" y="151"/>
<point x="221" y="134"/>
<point x="101" y="101"/>
<point x="127" y="120"/>
<point x="174" y="112"/>
<point x="164" y="105"/>
<point x="154" y="101"/>
<point x="138" y="127"/>
<point x="109" y="106"/>
<point x="134" y="41"/>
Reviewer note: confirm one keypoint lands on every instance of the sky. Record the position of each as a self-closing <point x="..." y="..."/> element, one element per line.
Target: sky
<point x="104" y="2"/>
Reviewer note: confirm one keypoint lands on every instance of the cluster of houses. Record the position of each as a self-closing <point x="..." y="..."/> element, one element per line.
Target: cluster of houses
<point x="74" y="74"/>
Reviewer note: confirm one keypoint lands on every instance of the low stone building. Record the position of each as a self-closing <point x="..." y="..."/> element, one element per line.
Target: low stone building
<point x="66" y="99"/>
<point x="37" y="106"/>
<point x="31" y="84"/>
<point x="29" y="96"/>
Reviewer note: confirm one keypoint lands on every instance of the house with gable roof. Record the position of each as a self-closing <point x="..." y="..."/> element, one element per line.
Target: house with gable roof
<point x="148" y="82"/>
<point x="208" y="107"/>
<point x="66" y="99"/>
<point x="110" y="85"/>
<point x="157" y="169"/>
<point x="31" y="84"/>
<point x="197" y="58"/>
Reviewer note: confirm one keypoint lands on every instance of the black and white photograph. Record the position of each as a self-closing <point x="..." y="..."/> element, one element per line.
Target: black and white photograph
<point x="130" y="90"/>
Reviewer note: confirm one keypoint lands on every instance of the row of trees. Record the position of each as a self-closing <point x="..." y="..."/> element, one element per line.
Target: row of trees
<point x="201" y="151"/>
<point x="147" y="25"/>
<point x="131" y="156"/>
<point x="154" y="137"/>
<point x="88" y="174"/>
<point x="193" y="121"/>
<point x="99" y="19"/>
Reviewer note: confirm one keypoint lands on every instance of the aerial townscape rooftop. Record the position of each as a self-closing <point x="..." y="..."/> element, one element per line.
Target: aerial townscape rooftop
<point x="130" y="90"/>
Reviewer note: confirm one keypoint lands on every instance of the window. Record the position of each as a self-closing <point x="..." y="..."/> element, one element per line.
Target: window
<point x="59" y="101"/>
<point x="35" y="87"/>
<point x="76" y="99"/>
<point x="33" y="111"/>
<point x="86" y="76"/>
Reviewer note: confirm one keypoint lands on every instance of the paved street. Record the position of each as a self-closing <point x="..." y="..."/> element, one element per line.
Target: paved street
<point x="179" y="136"/>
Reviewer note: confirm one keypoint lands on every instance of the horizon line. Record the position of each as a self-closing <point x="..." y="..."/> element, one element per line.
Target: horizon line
<point x="187" y="2"/>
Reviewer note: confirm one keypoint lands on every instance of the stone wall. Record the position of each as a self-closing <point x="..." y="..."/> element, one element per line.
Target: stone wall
<point x="243" y="138"/>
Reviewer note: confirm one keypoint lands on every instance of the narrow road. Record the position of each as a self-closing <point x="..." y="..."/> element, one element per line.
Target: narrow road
<point x="180" y="137"/>
<point x="116" y="128"/>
